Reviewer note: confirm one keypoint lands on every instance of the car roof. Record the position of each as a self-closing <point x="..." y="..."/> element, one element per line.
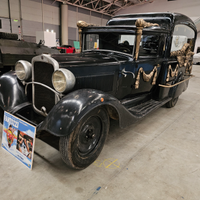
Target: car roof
<point x="166" y="20"/>
<point x="120" y="29"/>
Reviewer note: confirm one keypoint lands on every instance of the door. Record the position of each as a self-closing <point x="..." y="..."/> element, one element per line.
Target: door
<point x="140" y="75"/>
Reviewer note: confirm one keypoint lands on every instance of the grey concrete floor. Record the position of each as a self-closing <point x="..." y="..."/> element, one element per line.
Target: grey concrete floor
<point x="158" y="159"/>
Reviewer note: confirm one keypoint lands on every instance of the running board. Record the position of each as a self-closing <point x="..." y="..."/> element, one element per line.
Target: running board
<point x="145" y="108"/>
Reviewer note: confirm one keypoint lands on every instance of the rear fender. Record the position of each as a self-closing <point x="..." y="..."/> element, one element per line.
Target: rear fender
<point x="66" y="115"/>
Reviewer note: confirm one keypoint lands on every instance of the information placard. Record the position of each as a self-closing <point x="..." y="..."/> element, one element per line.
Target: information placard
<point x="18" y="139"/>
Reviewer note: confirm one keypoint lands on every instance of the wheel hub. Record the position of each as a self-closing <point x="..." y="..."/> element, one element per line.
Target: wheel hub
<point x="90" y="135"/>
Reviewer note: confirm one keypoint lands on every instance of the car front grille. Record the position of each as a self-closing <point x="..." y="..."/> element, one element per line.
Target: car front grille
<point x="42" y="95"/>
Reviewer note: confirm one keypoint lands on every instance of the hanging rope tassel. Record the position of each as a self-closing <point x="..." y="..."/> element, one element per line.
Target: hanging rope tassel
<point x="146" y="77"/>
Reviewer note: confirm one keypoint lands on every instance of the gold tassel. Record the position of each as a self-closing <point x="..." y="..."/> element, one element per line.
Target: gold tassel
<point x="146" y="77"/>
<point x="184" y="57"/>
<point x="172" y="73"/>
<point x="140" y="24"/>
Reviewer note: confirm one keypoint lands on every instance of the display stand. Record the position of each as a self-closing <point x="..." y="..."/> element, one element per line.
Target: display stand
<point x="18" y="139"/>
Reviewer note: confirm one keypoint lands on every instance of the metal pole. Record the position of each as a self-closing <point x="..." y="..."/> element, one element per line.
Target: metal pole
<point x="9" y="16"/>
<point x="42" y="17"/>
<point x="20" y="15"/>
<point x="77" y="35"/>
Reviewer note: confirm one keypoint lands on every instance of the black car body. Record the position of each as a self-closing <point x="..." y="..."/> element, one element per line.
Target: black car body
<point x="73" y="96"/>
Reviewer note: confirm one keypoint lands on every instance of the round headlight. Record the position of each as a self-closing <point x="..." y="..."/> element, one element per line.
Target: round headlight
<point x="23" y="70"/>
<point x="63" y="80"/>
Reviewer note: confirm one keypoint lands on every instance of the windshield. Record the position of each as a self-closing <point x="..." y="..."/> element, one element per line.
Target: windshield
<point x="110" y="41"/>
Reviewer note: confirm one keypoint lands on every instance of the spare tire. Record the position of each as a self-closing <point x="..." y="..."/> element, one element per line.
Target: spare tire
<point x="9" y="36"/>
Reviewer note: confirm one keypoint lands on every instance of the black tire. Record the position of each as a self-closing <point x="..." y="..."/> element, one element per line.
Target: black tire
<point x="82" y="147"/>
<point x="172" y="102"/>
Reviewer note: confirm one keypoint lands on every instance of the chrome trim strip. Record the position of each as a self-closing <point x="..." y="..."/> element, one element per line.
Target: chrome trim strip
<point x="106" y="50"/>
<point x="37" y="83"/>
<point x="33" y="100"/>
<point x="46" y="58"/>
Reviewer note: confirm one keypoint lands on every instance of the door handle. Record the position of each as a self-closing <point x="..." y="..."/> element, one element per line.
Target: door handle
<point x="124" y="73"/>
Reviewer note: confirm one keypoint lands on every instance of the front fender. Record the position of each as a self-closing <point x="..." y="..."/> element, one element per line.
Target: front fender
<point x="65" y="115"/>
<point x="11" y="91"/>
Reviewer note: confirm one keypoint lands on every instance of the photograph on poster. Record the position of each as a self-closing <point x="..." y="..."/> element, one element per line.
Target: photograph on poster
<point x="18" y="139"/>
<point x="25" y="144"/>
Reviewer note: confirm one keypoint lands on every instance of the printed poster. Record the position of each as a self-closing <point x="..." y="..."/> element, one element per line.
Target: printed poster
<point x="18" y="139"/>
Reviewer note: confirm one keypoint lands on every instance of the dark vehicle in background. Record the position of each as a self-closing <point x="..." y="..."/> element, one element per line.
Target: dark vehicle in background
<point x="71" y="97"/>
<point x="12" y="50"/>
<point x="65" y="49"/>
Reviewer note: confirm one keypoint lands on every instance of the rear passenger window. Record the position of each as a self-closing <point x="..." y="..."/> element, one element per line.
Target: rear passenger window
<point x="182" y="34"/>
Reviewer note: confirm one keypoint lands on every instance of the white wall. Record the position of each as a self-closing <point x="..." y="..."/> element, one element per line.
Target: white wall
<point x="32" y="11"/>
<point x="4" y="9"/>
<point x="31" y="17"/>
<point x="48" y="37"/>
<point x="75" y="14"/>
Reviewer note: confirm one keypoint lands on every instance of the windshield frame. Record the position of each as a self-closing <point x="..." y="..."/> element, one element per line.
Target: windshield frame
<point x="129" y="30"/>
<point x="97" y="30"/>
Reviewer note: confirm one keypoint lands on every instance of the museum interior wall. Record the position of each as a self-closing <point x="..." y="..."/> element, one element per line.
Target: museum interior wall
<point x="33" y="19"/>
<point x="76" y="14"/>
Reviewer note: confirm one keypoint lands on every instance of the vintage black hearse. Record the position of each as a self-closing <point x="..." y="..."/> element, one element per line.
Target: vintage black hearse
<point x="126" y="69"/>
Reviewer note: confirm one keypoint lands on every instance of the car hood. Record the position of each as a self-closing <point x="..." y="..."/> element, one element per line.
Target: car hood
<point x="89" y="57"/>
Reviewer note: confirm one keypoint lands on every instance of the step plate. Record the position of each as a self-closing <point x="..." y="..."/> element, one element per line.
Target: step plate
<point x="143" y="109"/>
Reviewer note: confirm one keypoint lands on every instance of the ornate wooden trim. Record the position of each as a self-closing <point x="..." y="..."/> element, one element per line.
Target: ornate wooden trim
<point x="146" y="77"/>
<point x="140" y="24"/>
<point x="81" y="25"/>
<point x="184" y="57"/>
<point x="172" y="73"/>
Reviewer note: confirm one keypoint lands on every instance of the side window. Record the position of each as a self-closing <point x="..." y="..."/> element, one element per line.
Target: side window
<point x="126" y="43"/>
<point x="92" y="41"/>
<point x="127" y="38"/>
<point x="149" y="45"/>
<point x="182" y="34"/>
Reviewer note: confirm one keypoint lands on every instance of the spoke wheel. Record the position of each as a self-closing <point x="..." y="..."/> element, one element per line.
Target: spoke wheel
<point x="81" y="148"/>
